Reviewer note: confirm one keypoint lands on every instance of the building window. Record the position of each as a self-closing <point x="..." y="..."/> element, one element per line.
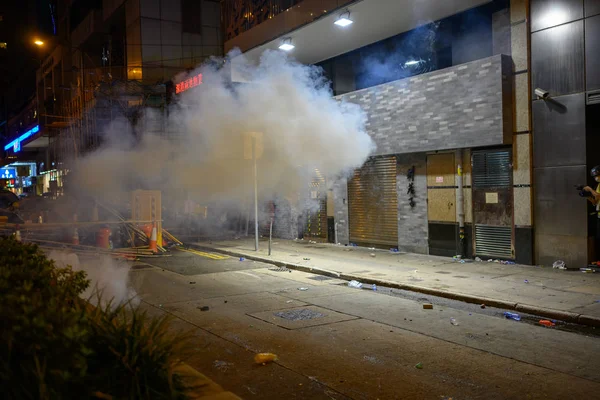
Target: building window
<point x="191" y="16"/>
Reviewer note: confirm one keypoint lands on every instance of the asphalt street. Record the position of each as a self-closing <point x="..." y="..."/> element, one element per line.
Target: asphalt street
<point x="336" y="342"/>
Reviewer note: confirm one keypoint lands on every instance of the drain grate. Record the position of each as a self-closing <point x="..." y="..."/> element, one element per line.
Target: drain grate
<point x="320" y="278"/>
<point x="299" y="315"/>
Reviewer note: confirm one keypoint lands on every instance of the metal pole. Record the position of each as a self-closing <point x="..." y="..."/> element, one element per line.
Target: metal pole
<point x="270" y="235"/>
<point x="461" y="204"/>
<point x="336" y="233"/>
<point x="255" y="201"/>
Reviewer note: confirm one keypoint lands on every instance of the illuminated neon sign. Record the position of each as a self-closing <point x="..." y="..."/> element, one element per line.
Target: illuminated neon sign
<point x="16" y="144"/>
<point x="188" y="84"/>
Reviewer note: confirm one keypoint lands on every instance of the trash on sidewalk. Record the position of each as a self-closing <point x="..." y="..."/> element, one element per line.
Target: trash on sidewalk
<point x="419" y="366"/>
<point x="242" y="259"/>
<point x="289" y="301"/>
<point x="355" y="284"/>
<point x="559" y="264"/>
<point x="303" y="289"/>
<point x="427" y="306"/>
<point x="374" y="287"/>
<point x="547" y="323"/>
<point x="482" y="306"/>
<point x="526" y="281"/>
<point x="478" y="259"/>
<point x="203" y="308"/>
<point x="394" y="250"/>
<point x="306" y="259"/>
<point x="587" y="270"/>
<point x="265" y="358"/>
<point x="514" y="316"/>
<point x="454" y="322"/>
<point x="372" y="254"/>
<point x="371" y="248"/>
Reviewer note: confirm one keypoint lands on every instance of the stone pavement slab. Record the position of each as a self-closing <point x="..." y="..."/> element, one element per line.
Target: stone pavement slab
<point x="553" y="293"/>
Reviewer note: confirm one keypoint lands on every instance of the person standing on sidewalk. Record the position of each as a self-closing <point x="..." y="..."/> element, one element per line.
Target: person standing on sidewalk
<point x="595" y="200"/>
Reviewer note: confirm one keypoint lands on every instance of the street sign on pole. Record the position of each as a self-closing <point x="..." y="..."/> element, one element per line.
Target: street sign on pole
<point x="253" y="150"/>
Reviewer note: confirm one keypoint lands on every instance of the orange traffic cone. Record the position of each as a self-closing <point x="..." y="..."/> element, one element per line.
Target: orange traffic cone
<point x="153" y="239"/>
<point x="75" y="237"/>
<point x="18" y="234"/>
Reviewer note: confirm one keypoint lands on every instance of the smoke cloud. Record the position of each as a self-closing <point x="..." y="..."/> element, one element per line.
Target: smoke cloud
<point x="109" y="279"/>
<point x="303" y="127"/>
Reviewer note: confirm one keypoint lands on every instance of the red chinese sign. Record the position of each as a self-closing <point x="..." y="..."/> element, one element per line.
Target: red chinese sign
<point x="188" y="83"/>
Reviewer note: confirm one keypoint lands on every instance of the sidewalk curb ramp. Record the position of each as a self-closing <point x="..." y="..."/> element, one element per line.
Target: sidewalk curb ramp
<point x="566" y="316"/>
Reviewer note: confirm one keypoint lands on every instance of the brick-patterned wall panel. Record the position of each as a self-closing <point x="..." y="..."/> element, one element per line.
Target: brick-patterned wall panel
<point x="458" y="107"/>
<point x="412" y="221"/>
<point x="340" y="200"/>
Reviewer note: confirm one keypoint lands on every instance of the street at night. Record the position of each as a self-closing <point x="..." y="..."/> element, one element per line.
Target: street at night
<point x="299" y="199"/>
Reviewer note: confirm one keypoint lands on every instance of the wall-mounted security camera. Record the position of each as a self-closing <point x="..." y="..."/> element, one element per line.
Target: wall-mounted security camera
<point x="542" y="94"/>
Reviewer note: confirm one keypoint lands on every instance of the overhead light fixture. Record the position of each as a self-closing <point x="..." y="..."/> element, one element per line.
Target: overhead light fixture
<point x="38" y="43"/>
<point x="343" y="19"/>
<point x="286" y="45"/>
<point x="411" y="62"/>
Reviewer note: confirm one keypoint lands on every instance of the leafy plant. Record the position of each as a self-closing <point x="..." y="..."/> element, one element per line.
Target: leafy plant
<point x="54" y="345"/>
<point x="43" y="343"/>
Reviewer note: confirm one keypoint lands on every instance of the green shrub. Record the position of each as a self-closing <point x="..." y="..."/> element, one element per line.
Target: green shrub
<point x="43" y="344"/>
<point x="53" y="345"/>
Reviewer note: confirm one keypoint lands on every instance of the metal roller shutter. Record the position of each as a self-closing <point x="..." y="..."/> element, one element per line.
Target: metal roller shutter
<point x="373" y="203"/>
<point x="316" y="223"/>
<point x="492" y="201"/>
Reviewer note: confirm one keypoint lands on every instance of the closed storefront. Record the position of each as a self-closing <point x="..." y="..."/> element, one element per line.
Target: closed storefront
<point x="373" y="203"/>
<point x="316" y="217"/>
<point x="493" y="203"/>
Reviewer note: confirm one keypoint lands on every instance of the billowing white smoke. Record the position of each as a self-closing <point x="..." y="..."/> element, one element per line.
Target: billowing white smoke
<point x="304" y="128"/>
<point x="109" y="279"/>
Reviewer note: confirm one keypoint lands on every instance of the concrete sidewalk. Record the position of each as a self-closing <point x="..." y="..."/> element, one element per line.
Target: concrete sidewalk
<point x="565" y="295"/>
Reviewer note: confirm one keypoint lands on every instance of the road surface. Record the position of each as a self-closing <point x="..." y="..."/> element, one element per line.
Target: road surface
<point x="336" y="342"/>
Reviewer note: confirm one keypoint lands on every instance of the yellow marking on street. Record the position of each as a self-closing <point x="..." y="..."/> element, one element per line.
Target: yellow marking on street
<point x="212" y="256"/>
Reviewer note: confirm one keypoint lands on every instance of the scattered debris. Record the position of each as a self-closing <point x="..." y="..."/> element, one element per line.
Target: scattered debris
<point x="306" y="259"/>
<point x="559" y="264"/>
<point x="547" y="323"/>
<point x="160" y="306"/>
<point x="289" y="301"/>
<point x="225" y="302"/>
<point x="482" y="306"/>
<point x="203" y="308"/>
<point x="454" y="322"/>
<point x="478" y="259"/>
<point x="587" y="270"/>
<point x="394" y="250"/>
<point x="419" y="366"/>
<point x="371" y="248"/>
<point x="374" y="287"/>
<point x="372" y="254"/>
<point x="355" y="284"/>
<point x="526" y="281"/>
<point x="222" y="365"/>
<point x="372" y="360"/>
<point x="427" y="306"/>
<point x="265" y="358"/>
<point x="192" y="283"/>
<point x="242" y="259"/>
<point x="514" y="316"/>
<point x="304" y="289"/>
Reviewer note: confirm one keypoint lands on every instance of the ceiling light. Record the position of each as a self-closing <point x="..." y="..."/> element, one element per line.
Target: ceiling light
<point x="286" y="45"/>
<point x="411" y="62"/>
<point x="344" y="19"/>
<point x="38" y="43"/>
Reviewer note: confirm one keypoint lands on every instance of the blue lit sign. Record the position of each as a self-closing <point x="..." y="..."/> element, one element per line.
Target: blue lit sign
<point x="16" y="144"/>
<point x="8" y="173"/>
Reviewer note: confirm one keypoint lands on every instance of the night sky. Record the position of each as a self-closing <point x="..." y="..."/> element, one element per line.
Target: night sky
<point x="22" y="21"/>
